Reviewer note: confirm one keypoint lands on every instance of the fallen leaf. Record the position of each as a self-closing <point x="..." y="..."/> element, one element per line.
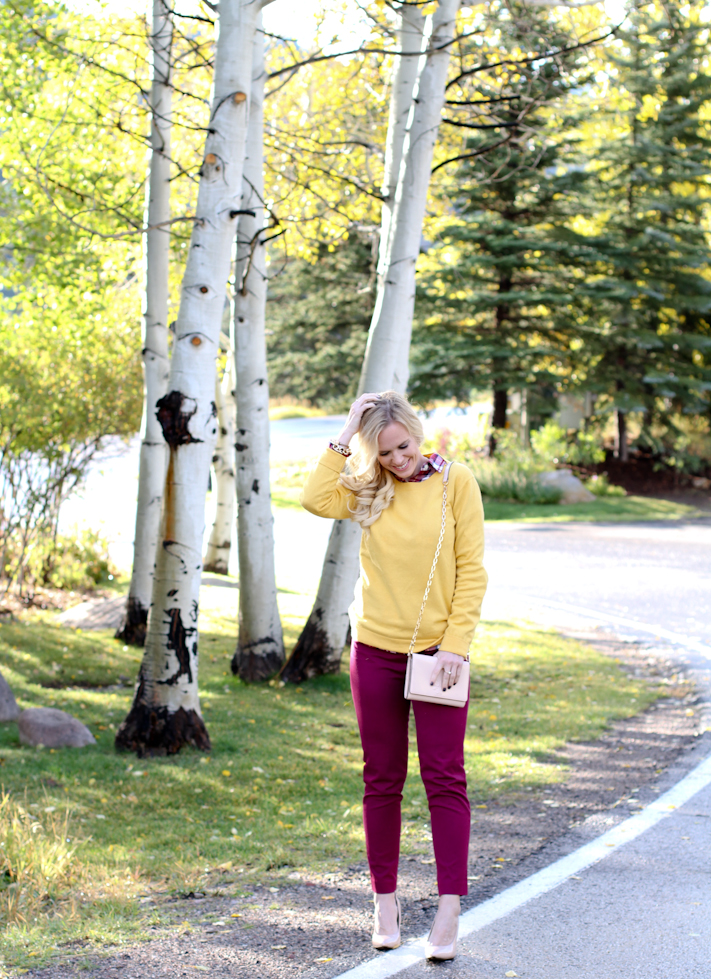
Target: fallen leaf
<point x="278" y="947"/>
<point x="324" y="960"/>
<point x="327" y="897"/>
<point x="226" y="772"/>
<point x="510" y="974"/>
<point x="235" y="914"/>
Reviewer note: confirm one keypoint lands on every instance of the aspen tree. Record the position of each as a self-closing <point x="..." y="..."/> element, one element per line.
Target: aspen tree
<point x="153" y="454"/>
<point x="260" y="644"/>
<point x="166" y="710"/>
<point x="320" y="645"/>
<point x="217" y="553"/>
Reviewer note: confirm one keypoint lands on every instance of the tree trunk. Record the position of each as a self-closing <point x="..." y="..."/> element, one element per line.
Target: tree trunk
<point x="411" y="34"/>
<point x="153" y="456"/>
<point x="387" y="353"/>
<point x="165" y="714"/>
<point x="260" y="644"/>
<point x="622" y="447"/>
<point x="217" y="554"/>
<point x="498" y="417"/>
<point x="321" y="642"/>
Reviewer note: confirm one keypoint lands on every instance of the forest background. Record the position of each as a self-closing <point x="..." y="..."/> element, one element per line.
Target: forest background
<point x="564" y="246"/>
<point x="564" y="253"/>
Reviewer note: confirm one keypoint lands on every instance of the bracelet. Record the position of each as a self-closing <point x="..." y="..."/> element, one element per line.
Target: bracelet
<point x="340" y="449"/>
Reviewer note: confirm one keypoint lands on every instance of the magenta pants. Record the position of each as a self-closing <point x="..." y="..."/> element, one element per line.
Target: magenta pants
<point x="378" y="683"/>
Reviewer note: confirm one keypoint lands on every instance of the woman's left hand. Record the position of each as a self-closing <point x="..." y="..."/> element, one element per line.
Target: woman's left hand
<point x="449" y="665"/>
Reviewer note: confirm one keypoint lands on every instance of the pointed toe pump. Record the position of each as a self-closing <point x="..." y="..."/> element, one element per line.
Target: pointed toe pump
<point x="441" y="953"/>
<point x="380" y="940"/>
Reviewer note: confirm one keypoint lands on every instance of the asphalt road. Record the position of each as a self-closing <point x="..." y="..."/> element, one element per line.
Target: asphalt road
<point x="656" y="573"/>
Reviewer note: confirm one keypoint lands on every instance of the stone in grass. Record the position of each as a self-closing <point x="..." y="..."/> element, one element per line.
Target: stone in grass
<point x="9" y="711"/>
<point x="571" y="489"/>
<point x="52" y="728"/>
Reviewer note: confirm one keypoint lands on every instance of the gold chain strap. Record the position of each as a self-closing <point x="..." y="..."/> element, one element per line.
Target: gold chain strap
<point x="434" y="562"/>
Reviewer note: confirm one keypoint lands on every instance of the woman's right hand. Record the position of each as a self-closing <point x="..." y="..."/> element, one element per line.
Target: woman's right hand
<point x="355" y="415"/>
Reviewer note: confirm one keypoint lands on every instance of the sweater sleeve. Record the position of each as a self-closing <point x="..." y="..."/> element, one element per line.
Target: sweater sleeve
<point x="471" y="578"/>
<point x="322" y="494"/>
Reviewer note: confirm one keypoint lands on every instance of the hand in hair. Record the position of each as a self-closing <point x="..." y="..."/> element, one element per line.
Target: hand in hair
<point x="359" y="406"/>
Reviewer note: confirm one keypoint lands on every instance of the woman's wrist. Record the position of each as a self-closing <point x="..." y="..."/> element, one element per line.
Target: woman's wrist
<point x="344" y="438"/>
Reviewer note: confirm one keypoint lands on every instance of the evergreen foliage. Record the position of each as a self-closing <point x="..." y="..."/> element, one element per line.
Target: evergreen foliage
<point x="318" y="316"/>
<point x="646" y="295"/>
<point x="484" y="315"/>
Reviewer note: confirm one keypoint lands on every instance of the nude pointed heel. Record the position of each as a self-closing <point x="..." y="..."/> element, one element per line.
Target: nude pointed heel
<point x="381" y="941"/>
<point x="441" y="953"/>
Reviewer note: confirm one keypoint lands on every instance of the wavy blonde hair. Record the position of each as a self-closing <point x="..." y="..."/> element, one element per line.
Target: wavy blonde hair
<point x="372" y="486"/>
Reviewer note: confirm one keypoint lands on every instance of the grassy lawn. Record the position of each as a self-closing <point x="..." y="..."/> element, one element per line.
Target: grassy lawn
<point x="280" y="791"/>
<point x="610" y="509"/>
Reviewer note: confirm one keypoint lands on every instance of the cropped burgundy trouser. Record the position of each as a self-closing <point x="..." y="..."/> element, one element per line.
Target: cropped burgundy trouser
<point x="378" y="683"/>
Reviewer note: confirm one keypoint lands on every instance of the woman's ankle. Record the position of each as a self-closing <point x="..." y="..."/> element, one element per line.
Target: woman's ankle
<point x="449" y="903"/>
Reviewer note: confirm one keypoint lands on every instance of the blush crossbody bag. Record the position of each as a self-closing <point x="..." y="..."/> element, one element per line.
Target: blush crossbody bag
<point x="419" y="665"/>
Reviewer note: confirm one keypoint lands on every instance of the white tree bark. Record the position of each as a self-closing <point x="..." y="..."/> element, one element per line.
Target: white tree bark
<point x="154" y="451"/>
<point x="260" y="644"/>
<point x="391" y="325"/>
<point x="217" y="554"/>
<point x="411" y="35"/>
<point x="166" y="711"/>
<point x="385" y="365"/>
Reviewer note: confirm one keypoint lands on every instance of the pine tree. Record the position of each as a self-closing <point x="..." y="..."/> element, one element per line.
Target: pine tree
<point x="646" y="299"/>
<point x="484" y="314"/>
<point x="318" y="316"/>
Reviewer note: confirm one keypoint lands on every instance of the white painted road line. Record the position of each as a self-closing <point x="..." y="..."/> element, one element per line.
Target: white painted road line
<point x="656" y="630"/>
<point x="390" y="963"/>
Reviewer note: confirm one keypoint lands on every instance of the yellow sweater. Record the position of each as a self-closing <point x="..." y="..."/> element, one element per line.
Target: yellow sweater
<point x="396" y="559"/>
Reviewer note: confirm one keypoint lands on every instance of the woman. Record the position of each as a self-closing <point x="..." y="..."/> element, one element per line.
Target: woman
<point x="395" y="494"/>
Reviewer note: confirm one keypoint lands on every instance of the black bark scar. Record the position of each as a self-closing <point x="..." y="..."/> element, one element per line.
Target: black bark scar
<point x="178" y="637"/>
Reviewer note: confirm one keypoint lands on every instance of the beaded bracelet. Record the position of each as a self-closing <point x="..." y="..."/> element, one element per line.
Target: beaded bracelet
<point x="340" y="449"/>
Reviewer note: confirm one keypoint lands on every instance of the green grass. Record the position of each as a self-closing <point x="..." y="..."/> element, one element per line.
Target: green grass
<point x="281" y="789"/>
<point x="287" y="481"/>
<point x="613" y="509"/>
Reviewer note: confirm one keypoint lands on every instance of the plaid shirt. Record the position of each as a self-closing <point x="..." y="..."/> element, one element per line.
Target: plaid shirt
<point x="433" y="464"/>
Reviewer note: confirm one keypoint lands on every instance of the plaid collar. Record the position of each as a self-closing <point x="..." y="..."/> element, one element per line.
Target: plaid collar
<point x="433" y="464"/>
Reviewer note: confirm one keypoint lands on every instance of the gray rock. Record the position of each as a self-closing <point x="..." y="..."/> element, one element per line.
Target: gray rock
<point x="572" y="490"/>
<point x="9" y="711"/>
<point x="52" y="728"/>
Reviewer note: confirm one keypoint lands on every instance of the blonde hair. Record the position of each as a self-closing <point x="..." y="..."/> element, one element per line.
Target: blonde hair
<point x="372" y="486"/>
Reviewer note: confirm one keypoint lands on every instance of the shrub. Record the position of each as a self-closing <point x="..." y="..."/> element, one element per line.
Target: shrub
<point x="553" y="446"/>
<point x="512" y="475"/>
<point x="498" y="482"/>
<point x="600" y="486"/>
<point x="80" y="561"/>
